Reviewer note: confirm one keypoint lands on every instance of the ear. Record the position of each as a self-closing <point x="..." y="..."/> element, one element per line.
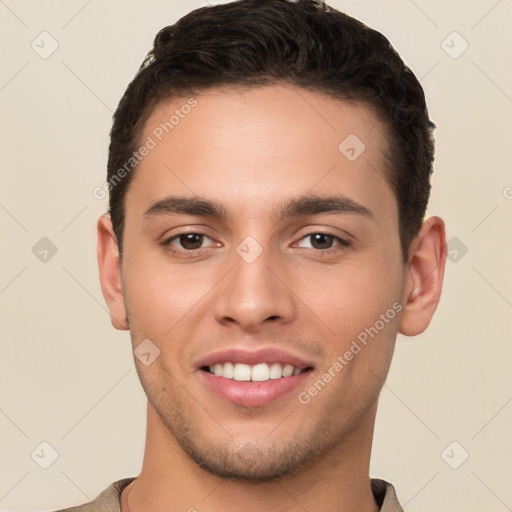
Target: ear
<point x="424" y="278"/>
<point x="110" y="273"/>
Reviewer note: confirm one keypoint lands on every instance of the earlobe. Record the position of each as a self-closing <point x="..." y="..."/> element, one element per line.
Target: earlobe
<point x="110" y="272"/>
<point x="424" y="278"/>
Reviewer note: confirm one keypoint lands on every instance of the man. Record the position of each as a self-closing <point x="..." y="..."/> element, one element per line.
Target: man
<point x="269" y="171"/>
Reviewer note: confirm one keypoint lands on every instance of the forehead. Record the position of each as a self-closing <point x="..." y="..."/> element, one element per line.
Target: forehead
<point x="263" y="142"/>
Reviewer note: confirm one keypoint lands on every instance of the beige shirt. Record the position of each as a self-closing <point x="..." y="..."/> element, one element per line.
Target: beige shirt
<point x="110" y="499"/>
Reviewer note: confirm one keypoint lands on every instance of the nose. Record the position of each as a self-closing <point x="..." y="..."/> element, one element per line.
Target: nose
<point x="254" y="294"/>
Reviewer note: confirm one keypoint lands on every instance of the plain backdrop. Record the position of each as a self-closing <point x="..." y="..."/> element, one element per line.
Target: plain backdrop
<point x="68" y="378"/>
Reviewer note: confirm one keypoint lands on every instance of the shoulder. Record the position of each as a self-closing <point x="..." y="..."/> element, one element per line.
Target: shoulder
<point x="385" y="496"/>
<point x="108" y="500"/>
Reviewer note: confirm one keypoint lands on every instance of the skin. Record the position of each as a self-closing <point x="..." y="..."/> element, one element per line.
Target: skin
<point x="251" y="151"/>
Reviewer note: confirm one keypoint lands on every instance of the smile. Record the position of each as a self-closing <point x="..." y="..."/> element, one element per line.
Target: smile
<point x="254" y="373"/>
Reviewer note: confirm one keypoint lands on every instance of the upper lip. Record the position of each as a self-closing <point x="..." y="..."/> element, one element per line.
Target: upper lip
<point x="252" y="357"/>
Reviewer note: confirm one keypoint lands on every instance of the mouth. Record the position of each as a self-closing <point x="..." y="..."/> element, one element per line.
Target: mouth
<point x="253" y="377"/>
<point x="260" y="372"/>
<point x="254" y="385"/>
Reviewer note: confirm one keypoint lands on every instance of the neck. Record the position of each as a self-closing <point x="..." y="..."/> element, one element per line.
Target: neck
<point x="170" y="478"/>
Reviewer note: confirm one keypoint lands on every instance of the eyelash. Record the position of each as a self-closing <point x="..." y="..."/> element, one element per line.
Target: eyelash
<point x="343" y="243"/>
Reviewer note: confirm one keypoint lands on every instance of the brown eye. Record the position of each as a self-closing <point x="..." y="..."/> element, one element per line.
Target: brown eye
<point x="185" y="242"/>
<point x="321" y="241"/>
<point x="324" y="242"/>
<point x="191" y="241"/>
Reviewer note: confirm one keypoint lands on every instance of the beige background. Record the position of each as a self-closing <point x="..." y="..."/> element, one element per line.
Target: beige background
<point x="68" y="378"/>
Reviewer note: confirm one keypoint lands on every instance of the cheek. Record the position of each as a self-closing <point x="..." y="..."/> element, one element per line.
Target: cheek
<point x="360" y="307"/>
<point x="159" y="294"/>
<point x="350" y="296"/>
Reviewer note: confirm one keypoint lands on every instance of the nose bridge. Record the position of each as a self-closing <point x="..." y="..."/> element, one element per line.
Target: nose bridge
<point x="252" y="292"/>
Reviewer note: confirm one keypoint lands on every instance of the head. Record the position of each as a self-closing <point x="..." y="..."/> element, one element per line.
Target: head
<point x="298" y="150"/>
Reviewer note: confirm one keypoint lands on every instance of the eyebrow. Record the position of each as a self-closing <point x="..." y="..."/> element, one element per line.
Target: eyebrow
<point x="303" y="205"/>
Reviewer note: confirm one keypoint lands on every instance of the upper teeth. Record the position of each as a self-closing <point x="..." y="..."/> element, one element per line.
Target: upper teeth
<point x="259" y="372"/>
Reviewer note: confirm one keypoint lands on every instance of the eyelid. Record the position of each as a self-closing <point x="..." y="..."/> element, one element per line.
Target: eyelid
<point x="334" y="232"/>
<point x="197" y="231"/>
<point x="342" y="242"/>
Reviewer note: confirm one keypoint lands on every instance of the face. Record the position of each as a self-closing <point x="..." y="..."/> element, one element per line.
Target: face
<point x="277" y="253"/>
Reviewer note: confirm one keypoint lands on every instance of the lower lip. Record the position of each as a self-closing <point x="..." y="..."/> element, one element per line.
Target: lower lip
<point x="253" y="394"/>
